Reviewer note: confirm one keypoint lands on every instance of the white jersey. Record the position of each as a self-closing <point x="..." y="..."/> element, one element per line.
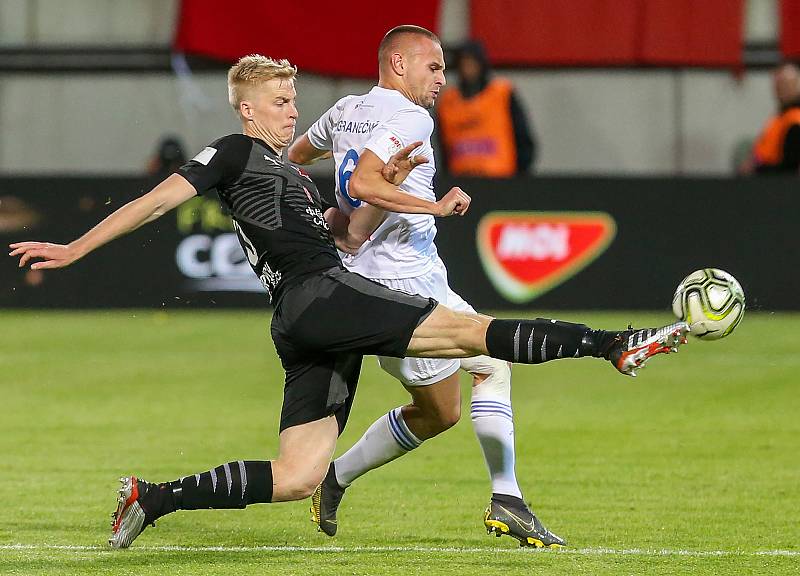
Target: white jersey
<point x="383" y="121"/>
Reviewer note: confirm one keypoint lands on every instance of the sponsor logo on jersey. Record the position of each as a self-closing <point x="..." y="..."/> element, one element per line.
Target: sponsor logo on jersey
<point x="270" y="279"/>
<point x="394" y="144"/>
<point x="316" y="217"/>
<point x="355" y="127"/>
<point x="302" y="173"/>
<point x="525" y="254"/>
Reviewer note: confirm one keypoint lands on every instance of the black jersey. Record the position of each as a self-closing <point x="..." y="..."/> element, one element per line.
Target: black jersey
<point x="277" y="211"/>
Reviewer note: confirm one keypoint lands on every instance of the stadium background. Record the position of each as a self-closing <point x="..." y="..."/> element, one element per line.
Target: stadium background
<point x="639" y="107"/>
<point x="637" y="93"/>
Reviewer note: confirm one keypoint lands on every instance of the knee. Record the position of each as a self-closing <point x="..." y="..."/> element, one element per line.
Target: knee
<point x="444" y="417"/>
<point x="295" y="481"/>
<point x="492" y="377"/>
<point x="451" y="417"/>
<point x="299" y="489"/>
<point x="303" y="490"/>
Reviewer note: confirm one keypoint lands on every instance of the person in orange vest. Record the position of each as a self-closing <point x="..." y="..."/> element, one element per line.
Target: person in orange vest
<point x="482" y="127"/>
<point x="777" y="149"/>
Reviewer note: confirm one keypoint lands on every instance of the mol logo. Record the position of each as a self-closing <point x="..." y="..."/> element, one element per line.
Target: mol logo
<point x="527" y="253"/>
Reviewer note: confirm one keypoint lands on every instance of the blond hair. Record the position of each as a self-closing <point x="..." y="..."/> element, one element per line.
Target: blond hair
<point x="253" y="70"/>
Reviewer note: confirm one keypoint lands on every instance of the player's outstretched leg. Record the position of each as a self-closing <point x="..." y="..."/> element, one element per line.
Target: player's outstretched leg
<point x="325" y="502"/>
<point x="542" y="340"/>
<point x="510" y="515"/>
<point x="445" y="333"/>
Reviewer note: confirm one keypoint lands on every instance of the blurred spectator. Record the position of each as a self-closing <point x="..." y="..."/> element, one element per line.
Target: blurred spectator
<point x="777" y="149"/>
<point x="483" y="130"/>
<point x="168" y="157"/>
<point x="16" y="215"/>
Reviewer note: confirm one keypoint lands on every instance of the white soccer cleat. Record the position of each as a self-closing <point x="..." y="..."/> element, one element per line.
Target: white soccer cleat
<point x="634" y="348"/>
<point x="128" y="521"/>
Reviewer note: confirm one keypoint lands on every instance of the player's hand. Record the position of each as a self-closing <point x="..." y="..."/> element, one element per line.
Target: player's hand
<point x="454" y="202"/>
<point x="402" y="163"/>
<point x="50" y="255"/>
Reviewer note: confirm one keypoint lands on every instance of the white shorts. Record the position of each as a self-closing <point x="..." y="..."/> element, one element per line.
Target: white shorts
<point x="425" y="371"/>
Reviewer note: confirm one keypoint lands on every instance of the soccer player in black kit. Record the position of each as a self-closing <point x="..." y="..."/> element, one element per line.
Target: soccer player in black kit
<point x="289" y="234"/>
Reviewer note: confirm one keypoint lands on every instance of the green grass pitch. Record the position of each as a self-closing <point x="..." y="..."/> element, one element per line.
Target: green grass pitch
<point x="693" y="467"/>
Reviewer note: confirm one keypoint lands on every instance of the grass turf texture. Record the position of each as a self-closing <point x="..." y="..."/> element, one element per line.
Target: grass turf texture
<point x="690" y="468"/>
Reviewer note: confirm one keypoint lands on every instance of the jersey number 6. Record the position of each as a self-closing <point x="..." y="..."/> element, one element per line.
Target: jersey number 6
<point x="343" y="176"/>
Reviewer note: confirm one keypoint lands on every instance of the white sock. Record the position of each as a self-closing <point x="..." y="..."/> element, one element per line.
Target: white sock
<point x="388" y="438"/>
<point x="493" y="422"/>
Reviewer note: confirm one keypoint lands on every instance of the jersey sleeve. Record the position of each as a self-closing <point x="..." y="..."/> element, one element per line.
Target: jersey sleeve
<point x="400" y="130"/>
<point x="321" y="132"/>
<point x="221" y="161"/>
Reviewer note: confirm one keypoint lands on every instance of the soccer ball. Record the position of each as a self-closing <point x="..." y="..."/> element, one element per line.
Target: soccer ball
<point x="711" y="301"/>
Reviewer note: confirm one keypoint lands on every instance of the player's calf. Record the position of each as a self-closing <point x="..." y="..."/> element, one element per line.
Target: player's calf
<point x="231" y="485"/>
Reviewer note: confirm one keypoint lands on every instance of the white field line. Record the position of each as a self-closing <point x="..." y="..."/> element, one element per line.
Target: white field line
<point x="423" y="549"/>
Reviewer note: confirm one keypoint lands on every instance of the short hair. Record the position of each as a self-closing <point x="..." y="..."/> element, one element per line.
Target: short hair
<point x="392" y="35"/>
<point x="252" y="70"/>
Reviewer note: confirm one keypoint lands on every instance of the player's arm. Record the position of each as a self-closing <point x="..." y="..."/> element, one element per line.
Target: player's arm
<point x="367" y="184"/>
<point x="170" y="193"/>
<point x="351" y="232"/>
<point x="302" y="151"/>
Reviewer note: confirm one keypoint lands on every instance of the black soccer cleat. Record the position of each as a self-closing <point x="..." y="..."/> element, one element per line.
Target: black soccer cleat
<point x="325" y="501"/>
<point x="130" y="518"/>
<point x="630" y="349"/>
<point x="517" y="521"/>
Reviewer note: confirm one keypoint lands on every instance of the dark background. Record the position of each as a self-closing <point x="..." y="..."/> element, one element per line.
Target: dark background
<point x="666" y="228"/>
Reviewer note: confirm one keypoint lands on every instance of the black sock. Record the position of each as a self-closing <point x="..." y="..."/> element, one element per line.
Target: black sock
<point x="232" y="485"/>
<point x="541" y="340"/>
<point x="161" y="502"/>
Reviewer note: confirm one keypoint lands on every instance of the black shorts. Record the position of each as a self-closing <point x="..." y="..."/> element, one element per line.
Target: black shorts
<point x="322" y="328"/>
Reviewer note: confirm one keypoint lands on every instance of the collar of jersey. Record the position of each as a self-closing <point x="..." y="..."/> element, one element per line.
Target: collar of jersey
<point x="265" y="145"/>
<point x="391" y="93"/>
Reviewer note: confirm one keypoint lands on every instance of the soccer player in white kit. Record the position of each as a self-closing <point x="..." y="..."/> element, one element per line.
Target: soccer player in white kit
<point x="363" y="132"/>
